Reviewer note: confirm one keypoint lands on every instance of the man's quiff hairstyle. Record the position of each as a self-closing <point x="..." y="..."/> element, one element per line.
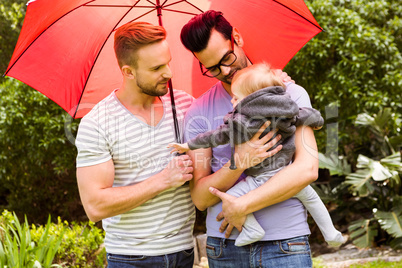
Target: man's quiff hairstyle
<point x="132" y="36"/>
<point x="196" y="33"/>
<point x="255" y="77"/>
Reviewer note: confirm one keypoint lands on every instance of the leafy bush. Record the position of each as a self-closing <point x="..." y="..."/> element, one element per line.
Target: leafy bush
<point x="375" y="187"/>
<point x="354" y="65"/>
<point x="12" y="14"/>
<point x="19" y="249"/>
<point x="82" y="245"/>
<point x="37" y="162"/>
<point x="61" y="243"/>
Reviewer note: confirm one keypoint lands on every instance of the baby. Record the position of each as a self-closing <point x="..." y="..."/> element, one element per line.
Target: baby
<point x="259" y="96"/>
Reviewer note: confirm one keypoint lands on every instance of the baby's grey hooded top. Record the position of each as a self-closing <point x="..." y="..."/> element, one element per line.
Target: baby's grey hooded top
<point x="240" y="125"/>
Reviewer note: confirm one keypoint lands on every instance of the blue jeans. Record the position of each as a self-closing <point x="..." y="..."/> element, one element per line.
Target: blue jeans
<point x="182" y="259"/>
<point x="294" y="252"/>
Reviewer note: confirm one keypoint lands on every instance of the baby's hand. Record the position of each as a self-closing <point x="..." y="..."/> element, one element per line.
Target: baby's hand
<point x="180" y="148"/>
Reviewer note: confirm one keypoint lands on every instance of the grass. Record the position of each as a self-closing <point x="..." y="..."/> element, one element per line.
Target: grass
<point x="378" y="264"/>
<point x="317" y="263"/>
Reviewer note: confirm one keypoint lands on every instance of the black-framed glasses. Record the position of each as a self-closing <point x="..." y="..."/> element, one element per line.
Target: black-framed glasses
<point x="228" y="59"/>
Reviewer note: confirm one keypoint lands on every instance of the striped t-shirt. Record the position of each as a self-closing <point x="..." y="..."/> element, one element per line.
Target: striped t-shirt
<point x="163" y="224"/>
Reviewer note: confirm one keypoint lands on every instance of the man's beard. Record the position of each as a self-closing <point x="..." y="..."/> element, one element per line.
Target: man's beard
<point x="152" y="90"/>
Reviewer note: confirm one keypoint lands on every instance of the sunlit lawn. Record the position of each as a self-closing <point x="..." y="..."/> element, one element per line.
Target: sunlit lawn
<point x="317" y="263"/>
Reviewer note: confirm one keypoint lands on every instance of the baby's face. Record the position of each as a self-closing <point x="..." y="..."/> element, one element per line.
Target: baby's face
<point x="237" y="95"/>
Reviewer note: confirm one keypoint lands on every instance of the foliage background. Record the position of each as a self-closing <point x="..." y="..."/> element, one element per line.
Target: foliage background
<point x="37" y="162"/>
<point x="355" y="66"/>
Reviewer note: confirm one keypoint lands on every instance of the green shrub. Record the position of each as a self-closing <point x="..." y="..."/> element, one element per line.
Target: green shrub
<point x="54" y="245"/>
<point x="355" y="65"/>
<point x="12" y="14"/>
<point x="372" y="191"/>
<point x="37" y="161"/>
<point x="82" y="245"/>
<point x="19" y="249"/>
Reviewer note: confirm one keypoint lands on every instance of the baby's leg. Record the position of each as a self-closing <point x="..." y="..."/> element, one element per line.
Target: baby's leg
<point x="319" y="212"/>
<point x="251" y="230"/>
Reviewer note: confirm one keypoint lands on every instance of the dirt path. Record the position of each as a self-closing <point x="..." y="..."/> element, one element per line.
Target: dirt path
<point x="349" y="254"/>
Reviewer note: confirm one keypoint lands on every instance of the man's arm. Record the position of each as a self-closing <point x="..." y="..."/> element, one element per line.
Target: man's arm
<point x="223" y="179"/>
<point x="292" y="179"/>
<point x="282" y="186"/>
<point x="101" y="200"/>
<point x="247" y="154"/>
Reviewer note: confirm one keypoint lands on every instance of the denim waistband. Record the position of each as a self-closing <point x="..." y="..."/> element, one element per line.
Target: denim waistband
<point x="265" y="242"/>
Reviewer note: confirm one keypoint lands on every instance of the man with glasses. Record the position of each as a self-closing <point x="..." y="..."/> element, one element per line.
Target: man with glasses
<point x="227" y="60"/>
<point x="218" y="47"/>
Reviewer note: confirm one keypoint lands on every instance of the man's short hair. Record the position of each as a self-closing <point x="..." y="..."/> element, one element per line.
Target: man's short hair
<point x="196" y="33"/>
<point x="132" y="36"/>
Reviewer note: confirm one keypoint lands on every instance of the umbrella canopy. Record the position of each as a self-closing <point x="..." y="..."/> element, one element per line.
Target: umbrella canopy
<point x="65" y="48"/>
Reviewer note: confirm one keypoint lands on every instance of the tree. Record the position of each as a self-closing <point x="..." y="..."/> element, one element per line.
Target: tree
<point x="12" y="13"/>
<point x="354" y="65"/>
<point x="37" y="160"/>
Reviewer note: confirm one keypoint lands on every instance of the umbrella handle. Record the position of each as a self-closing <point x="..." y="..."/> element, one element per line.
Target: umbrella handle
<point x="176" y="124"/>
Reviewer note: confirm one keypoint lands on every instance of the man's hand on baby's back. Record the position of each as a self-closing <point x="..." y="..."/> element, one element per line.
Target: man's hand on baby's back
<point x="256" y="150"/>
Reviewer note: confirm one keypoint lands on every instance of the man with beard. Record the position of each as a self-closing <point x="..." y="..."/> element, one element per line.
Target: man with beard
<point x="126" y="175"/>
<point x="218" y="47"/>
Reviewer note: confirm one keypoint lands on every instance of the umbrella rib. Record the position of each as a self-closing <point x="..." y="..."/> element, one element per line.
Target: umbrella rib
<point x="87" y="4"/>
<point x="180" y="2"/>
<point x="97" y="56"/>
<point x="174" y="3"/>
<point x="181" y="12"/>
<point x="319" y="27"/>
<point x="118" y="6"/>
<point x="23" y="52"/>
<point x="142" y="15"/>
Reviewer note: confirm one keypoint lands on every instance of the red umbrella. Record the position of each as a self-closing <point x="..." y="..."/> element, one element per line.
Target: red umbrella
<point x="65" y="48"/>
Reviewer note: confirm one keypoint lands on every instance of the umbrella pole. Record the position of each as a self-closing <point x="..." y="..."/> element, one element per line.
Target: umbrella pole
<point x="176" y="124"/>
